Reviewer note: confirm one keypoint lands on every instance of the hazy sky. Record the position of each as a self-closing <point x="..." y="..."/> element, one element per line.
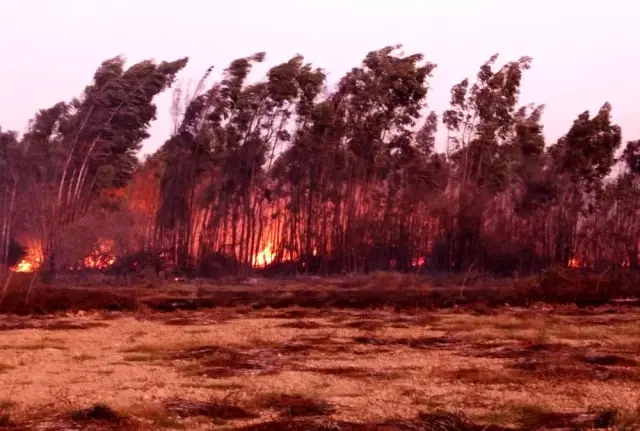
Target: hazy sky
<point x="584" y="52"/>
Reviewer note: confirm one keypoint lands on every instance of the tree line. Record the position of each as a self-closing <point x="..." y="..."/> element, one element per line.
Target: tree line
<point x="328" y="180"/>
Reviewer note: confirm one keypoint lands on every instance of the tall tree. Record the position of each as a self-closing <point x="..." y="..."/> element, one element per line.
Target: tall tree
<point x="91" y="142"/>
<point x="480" y="123"/>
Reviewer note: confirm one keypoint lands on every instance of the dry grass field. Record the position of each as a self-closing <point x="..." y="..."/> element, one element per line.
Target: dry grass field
<point x="293" y="368"/>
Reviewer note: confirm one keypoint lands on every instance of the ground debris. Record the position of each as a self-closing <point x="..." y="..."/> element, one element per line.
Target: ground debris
<point x="98" y="417"/>
<point x="221" y="362"/>
<point x="424" y="422"/>
<point x="212" y="409"/>
<point x="297" y="405"/>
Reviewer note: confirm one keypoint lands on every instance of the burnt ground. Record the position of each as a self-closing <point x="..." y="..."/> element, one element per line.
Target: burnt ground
<point x="294" y="368"/>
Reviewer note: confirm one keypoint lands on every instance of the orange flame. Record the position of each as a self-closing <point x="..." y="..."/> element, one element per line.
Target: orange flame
<point x="574" y="263"/>
<point x="264" y="257"/>
<point x="31" y="261"/>
<point x="102" y="257"/>
<point x="26" y="265"/>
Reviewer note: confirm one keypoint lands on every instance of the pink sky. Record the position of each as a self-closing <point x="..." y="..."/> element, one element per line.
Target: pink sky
<point x="585" y="52"/>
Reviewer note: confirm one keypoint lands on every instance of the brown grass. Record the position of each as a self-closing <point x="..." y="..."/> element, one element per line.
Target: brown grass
<point x="514" y="368"/>
<point x="210" y="409"/>
<point x="295" y="405"/>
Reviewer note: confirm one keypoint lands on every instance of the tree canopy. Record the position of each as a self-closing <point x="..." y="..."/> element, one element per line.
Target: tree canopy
<point x="290" y="171"/>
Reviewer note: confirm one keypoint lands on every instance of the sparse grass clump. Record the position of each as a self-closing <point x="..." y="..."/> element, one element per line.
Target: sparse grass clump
<point x="295" y="405"/>
<point x="211" y="409"/>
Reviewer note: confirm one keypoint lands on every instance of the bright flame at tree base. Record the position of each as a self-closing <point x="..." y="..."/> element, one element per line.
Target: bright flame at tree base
<point x="26" y="265"/>
<point x="265" y="257"/>
<point x="101" y="258"/>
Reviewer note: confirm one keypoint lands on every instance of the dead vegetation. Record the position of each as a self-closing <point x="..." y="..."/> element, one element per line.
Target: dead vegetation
<point x="210" y="409"/>
<point x="512" y="368"/>
<point x="296" y="405"/>
<point x="397" y="291"/>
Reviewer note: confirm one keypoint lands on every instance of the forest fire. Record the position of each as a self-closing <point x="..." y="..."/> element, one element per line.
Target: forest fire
<point x="31" y="261"/>
<point x="27" y="265"/>
<point x="264" y="257"/>
<point x="574" y="263"/>
<point x="318" y="167"/>
<point x="101" y="258"/>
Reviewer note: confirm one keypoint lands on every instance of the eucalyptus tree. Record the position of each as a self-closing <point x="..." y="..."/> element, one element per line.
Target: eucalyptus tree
<point x="480" y="122"/>
<point x="10" y="168"/>
<point x="228" y="138"/>
<point x="582" y="159"/>
<point x="89" y="144"/>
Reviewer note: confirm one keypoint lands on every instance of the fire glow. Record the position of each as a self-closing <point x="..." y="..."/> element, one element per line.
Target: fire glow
<point x="101" y="258"/>
<point x="264" y="257"/>
<point x="27" y="265"/>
